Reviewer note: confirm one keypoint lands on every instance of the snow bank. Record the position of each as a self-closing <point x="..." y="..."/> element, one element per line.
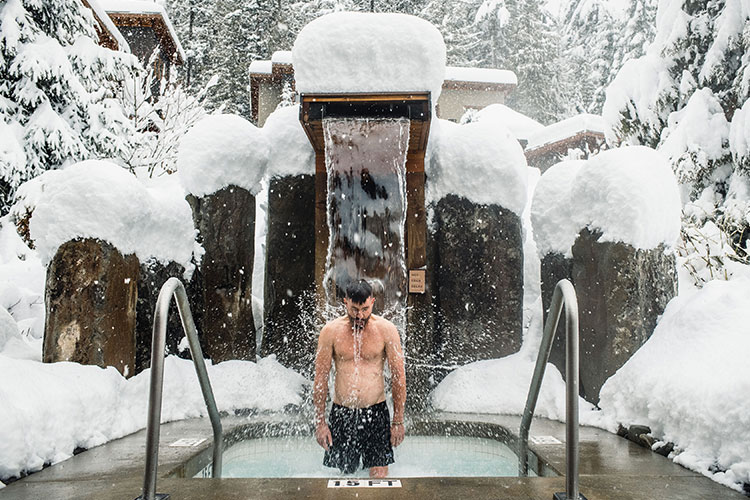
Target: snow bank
<point x="83" y="406"/>
<point x="630" y="194"/>
<point x="365" y="52"/>
<point x="520" y="125"/>
<point x="690" y="381"/>
<point x="22" y="279"/>
<point x="290" y="150"/>
<point x="219" y="151"/>
<point x="8" y="328"/>
<point x="98" y="199"/>
<point x="565" y="129"/>
<point x="480" y="161"/>
<point x="501" y="386"/>
<point x="552" y="210"/>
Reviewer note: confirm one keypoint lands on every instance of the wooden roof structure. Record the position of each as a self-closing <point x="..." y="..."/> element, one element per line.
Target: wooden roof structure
<point x="155" y="21"/>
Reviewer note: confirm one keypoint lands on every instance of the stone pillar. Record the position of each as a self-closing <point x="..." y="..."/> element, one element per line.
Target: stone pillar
<point x="226" y="225"/>
<point x="621" y="292"/>
<point x="479" y="273"/>
<point x="153" y="275"/>
<point x="90" y="301"/>
<point x="290" y="330"/>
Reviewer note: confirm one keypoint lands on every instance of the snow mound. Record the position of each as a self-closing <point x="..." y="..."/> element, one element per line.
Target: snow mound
<point x="519" y="124"/>
<point x="690" y="381"/>
<point x="219" y="151"/>
<point x="480" y="161"/>
<point x="466" y="389"/>
<point x="90" y="405"/>
<point x="8" y="328"/>
<point x="98" y="199"/>
<point x="552" y="210"/>
<point x="290" y="150"/>
<point x="365" y="52"/>
<point x="631" y="195"/>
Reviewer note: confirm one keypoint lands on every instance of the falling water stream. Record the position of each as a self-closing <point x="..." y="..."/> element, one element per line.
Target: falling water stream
<point x="366" y="209"/>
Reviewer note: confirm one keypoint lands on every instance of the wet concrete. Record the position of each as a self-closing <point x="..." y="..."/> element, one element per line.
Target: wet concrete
<point x="611" y="468"/>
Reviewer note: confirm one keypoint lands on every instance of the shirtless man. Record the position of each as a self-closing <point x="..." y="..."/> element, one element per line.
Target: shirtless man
<point x="359" y="344"/>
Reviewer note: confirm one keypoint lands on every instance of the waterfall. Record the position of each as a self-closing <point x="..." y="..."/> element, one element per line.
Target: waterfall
<point x="366" y="209"/>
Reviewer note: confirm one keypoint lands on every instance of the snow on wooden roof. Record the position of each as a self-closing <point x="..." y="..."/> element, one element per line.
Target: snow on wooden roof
<point x="565" y="129"/>
<point x="282" y="57"/>
<point x="145" y="7"/>
<point x="106" y="24"/>
<point x="261" y="67"/>
<point x="480" y="75"/>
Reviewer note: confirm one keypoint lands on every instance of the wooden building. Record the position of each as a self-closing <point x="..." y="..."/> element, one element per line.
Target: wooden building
<point x="109" y="36"/>
<point x="574" y="138"/>
<point x="147" y="28"/>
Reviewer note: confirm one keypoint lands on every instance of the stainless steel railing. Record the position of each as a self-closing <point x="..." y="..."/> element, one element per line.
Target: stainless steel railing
<point x="564" y="294"/>
<point x="173" y="287"/>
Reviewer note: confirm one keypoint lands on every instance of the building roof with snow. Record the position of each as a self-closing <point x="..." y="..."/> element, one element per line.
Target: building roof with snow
<point x="131" y="15"/>
<point x="109" y="35"/>
<point x="584" y="132"/>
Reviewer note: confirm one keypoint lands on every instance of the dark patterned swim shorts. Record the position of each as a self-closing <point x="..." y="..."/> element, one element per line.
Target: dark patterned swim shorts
<point x="359" y="433"/>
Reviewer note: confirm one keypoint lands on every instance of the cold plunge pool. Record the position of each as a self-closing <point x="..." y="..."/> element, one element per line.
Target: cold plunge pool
<point x="431" y="449"/>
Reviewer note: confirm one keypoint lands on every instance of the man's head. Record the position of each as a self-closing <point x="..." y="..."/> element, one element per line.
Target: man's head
<point x="359" y="301"/>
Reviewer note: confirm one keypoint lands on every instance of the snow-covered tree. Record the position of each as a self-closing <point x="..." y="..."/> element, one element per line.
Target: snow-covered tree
<point x="687" y="97"/>
<point x="531" y="48"/>
<point x="192" y="20"/>
<point x="57" y="90"/>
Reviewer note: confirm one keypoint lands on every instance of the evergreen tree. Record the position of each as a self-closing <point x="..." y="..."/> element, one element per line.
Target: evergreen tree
<point x="57" y="90"/>
<point x="531" y="48"/>
<point x="192" y="20"/>
<point x="683" y="97"/>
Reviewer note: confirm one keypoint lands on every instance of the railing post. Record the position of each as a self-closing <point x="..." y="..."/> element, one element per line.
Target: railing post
<point x="173" y="287"/>
<point x="564" y="294"/>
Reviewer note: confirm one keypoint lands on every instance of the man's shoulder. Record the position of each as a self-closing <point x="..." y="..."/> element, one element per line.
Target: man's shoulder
<point x="384" y="325"/>
<point x="334" y="325"/>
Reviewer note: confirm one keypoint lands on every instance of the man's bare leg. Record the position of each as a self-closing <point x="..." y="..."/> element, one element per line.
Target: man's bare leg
<point x="378" y="472"/>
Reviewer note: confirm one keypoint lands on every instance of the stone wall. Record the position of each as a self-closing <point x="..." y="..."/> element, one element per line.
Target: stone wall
<point x="90" y="302"/>
<point x="621" y="292"/>
<point x="289" y="303"/>
<point x="479" y="276"/>
<point x="226" y="224"/>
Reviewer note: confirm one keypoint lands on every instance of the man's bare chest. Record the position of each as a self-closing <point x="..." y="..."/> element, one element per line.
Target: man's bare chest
<point x="368" y="347"/>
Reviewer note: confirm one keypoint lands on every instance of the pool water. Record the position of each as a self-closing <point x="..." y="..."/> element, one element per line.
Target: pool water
<point x="417" y="456"/>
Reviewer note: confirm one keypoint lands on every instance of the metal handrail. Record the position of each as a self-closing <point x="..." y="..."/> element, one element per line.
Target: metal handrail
<point x="564" y="294"/>
<point x="174" y="287"/>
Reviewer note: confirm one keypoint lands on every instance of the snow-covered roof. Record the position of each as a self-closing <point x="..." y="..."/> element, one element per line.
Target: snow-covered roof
<point x="567" y="128"/>
<point x="282" y="57"/>
<point x="145" y="7"/>
<point x="348" y="52"/>
<point x="480" y="75"/>
<point x="519" y="124"/>
<point x="261" y="67"/>
<point x="101" y="15"/>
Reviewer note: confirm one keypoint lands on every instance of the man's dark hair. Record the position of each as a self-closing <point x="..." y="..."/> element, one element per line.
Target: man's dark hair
<point x="358" y="291"/>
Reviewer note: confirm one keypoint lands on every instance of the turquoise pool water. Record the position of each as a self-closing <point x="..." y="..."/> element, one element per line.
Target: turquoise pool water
<point x="418" y="456"/>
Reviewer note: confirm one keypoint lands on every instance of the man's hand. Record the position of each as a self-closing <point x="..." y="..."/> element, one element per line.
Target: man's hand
<point x="323" y="436"/>
<point x="397" y="434"/>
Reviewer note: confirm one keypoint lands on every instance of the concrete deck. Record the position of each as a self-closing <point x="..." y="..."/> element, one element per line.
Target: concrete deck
<point x="611" y="468"/>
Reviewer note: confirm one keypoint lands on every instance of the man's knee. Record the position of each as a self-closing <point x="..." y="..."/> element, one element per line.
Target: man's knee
<point x="379" y="472"/>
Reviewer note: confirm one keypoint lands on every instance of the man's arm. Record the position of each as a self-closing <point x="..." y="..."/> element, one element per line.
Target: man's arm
<point x="323" y="360"/>
<point x="395" y="356"/>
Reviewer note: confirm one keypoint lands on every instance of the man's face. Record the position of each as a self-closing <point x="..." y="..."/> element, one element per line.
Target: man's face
<point x="359" y="313"/>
